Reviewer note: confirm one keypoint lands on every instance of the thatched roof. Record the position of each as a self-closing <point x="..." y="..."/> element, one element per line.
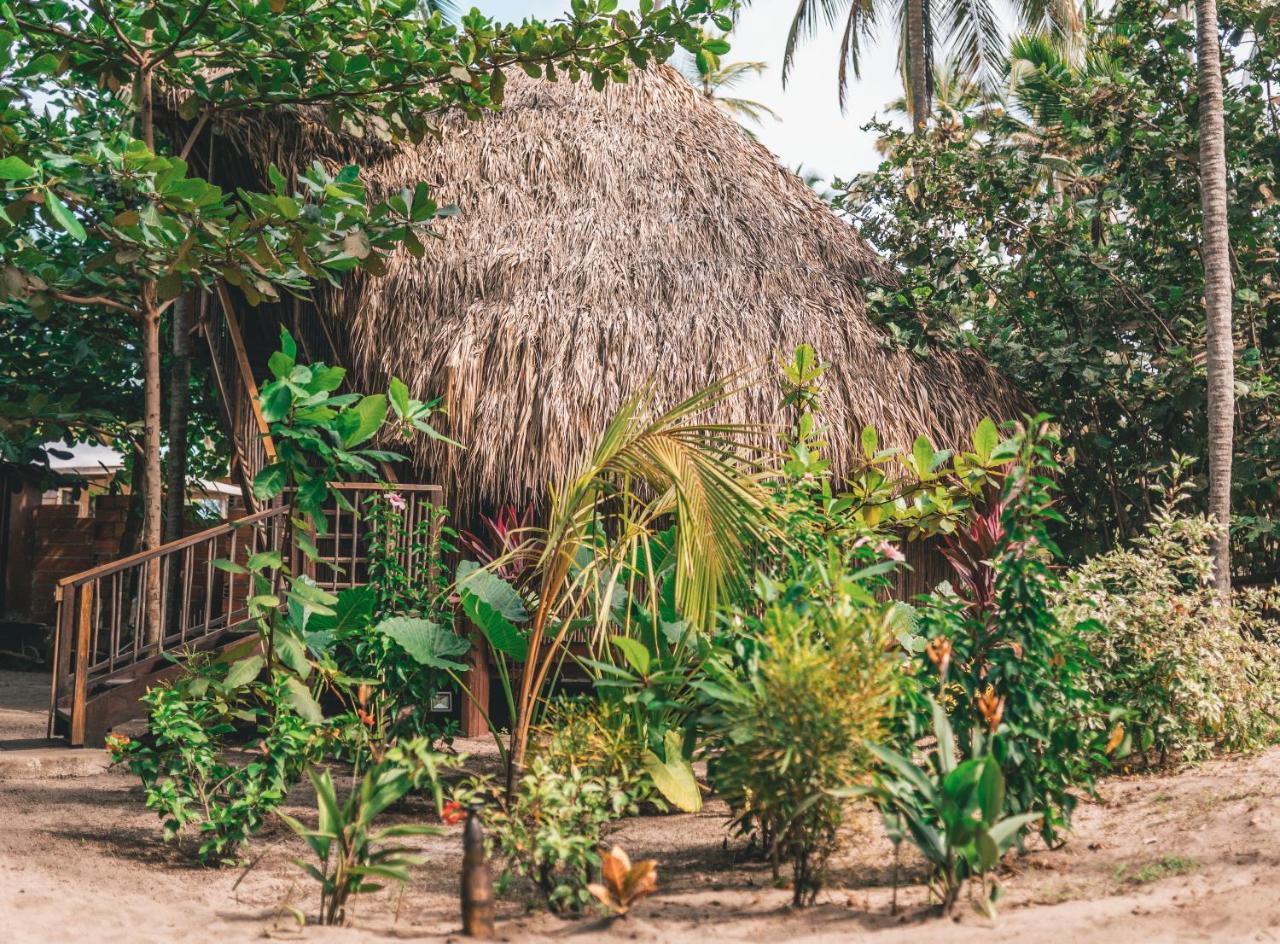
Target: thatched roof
<point x="604" y="240"/>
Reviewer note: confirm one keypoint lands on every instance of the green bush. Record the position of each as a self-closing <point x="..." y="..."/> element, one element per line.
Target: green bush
<point x="993" y="651"/>
<point x="551" y="833"/>
<point x="1183" y="675"/>
<point x="600" y="737"/>
<point x="192" y="778"/>
<point x="952" y="811"/>
<point x="787" y="721"/>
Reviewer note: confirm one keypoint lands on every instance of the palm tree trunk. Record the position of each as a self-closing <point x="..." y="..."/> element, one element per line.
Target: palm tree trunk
<point x="917" y="65"/>
<point x="1216" y="255"/>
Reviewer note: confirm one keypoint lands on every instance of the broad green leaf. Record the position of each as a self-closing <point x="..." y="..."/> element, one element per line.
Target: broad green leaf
<point x="985" y="439"/>
<point x="358" y="423"/>
<point x="870" y="441"/>
<point x="493" y="590"/>
<point x="399" y="394"/>
<point x="922" y="456"/>
<point x="991" y="791"/>
<point x="674" y="776"/>
<point x="352" y="611"/>
<point x="64" y="217"/>
<point x="634" y="652"/>
<point x="243" y="672"/>
<point x="276" y="398"/>
<point x="500" y="632"/>
<point x="946" y="740"/>
<point x="1006" y="831"/>
<point x="428" y="643"/>
<point x="292" y="653"/>
<point x="299" y="698"/>
<point x="15" y="168"/>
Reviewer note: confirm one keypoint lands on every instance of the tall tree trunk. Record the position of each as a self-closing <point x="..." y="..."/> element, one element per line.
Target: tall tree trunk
<point x="152" y="505"/>
<point x="153" y="502"/>
<point x="175" y="470"/>
<point x="1216" y="255"/>
<point x="175" y="498"/>
<point x="917" y="65"/>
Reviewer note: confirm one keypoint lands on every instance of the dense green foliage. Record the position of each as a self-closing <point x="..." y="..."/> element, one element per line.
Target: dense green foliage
<point x="1186" y="676"/>
<point x="1058" y="234"/>
<point x="787" y="722"/>
<point x="952" y="810"/>
<point x="1000" y="659"/>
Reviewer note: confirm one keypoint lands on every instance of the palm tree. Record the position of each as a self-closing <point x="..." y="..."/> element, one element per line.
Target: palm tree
<point x="970" y="29"/>
<point x="956" y="97"/>
<point x="1216" y="255"/>
<point x="714" y="78"/>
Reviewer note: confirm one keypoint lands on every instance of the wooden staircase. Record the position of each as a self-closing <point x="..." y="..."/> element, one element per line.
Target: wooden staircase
<point x="105" y="654"/>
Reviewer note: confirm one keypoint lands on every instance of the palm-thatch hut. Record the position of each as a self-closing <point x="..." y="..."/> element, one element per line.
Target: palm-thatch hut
<point x="605" y="241"/>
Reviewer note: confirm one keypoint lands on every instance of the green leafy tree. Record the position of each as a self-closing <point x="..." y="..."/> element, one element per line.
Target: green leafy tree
<point x="155" y="76"/>
<point x="1065" y="247"/>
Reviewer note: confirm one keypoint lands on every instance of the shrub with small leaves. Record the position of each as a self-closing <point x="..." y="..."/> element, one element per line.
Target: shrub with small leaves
<point x="1184" y="675"/>
<point x="551" y="833"/>
<point x="790" y="722"/>
<point x="189" y="775"/>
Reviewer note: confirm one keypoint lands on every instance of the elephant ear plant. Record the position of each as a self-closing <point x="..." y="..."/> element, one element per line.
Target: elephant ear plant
<point x="952" y="812"/>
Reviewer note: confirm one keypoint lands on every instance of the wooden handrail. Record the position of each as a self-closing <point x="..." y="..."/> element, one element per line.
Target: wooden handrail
<point x="164" y="550"/>
<point x="103" y="656"/>
<point x="226" y="527"/>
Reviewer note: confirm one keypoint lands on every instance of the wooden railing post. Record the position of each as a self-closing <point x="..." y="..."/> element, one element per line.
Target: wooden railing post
<point x="84" y="640"/>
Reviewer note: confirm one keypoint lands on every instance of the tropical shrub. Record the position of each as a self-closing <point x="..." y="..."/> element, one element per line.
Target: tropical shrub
<point x="350" y="852"/>
<point x="269" y="689"/>
<point x="953" y="812"/>
<point x="377" y="634"/>
<point x="600" y="737"/>
<point x="187" y="775"/>
<point x="786" y="722"/>
<point x="550" y="832"/>
<point x="1183" y="674"/>
<point x="589" y="572"/>
<point x="993" y="651"/>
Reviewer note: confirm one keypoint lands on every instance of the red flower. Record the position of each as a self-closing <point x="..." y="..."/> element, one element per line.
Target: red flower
<point x="453" y="813"/>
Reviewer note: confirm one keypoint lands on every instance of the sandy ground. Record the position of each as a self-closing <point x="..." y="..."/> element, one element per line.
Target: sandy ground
<point x="1189" y="856"/>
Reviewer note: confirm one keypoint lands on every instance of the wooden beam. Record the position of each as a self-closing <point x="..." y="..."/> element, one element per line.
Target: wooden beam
<point x="246" y="372"/>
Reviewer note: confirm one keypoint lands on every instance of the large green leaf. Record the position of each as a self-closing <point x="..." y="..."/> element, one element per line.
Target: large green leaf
<point x="15" y="168"/>
<point x="352" y="611"/>
<point x="493" y="590"/>
<point x="429" y="643"/>
<point x="299" y="698"/>
<point x="501" y="633"/>
<point x="985" y="439"/>
<point x="64" y="217"/>
<point x="633" y="650"/>
<point x="243" y="672"/>
<point x="674" y="776"/>
<point x="358" y="423"/>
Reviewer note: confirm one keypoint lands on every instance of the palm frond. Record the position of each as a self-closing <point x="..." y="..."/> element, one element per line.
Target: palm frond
<point x="975" y="39"/>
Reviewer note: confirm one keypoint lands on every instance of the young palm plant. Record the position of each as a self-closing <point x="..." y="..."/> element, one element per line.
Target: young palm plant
<point x="651" y="470"/>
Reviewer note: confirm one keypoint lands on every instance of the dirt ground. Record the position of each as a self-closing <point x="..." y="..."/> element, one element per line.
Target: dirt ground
<point x="1188" y="856"/>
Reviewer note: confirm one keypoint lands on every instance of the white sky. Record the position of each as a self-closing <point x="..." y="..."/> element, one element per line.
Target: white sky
<point x="812" y="131"/>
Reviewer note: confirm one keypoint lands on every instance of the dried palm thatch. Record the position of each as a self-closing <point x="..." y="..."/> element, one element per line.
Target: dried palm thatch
<point x="606" y="241"/>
